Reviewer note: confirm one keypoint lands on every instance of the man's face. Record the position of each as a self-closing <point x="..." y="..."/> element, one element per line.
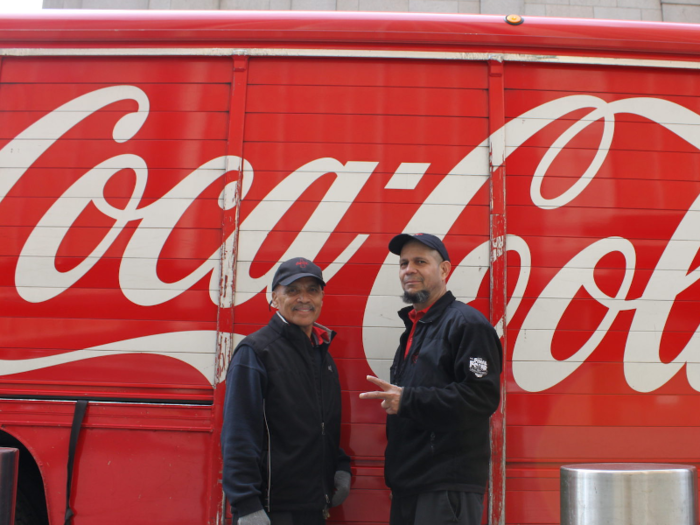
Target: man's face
<point x="299" y="302"/>
<point x="423" y="274"/>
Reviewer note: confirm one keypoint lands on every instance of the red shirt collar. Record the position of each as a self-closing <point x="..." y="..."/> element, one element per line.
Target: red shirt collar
<point x="415" y="316"/>
<point x="320" y="335"/>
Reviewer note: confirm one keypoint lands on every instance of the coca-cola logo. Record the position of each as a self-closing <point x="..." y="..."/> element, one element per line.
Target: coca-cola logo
<point x="38" y="280"/>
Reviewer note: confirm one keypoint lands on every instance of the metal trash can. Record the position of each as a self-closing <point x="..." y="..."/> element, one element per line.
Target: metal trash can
<point x="629" y="494"/>
<point x="9" y="463"/>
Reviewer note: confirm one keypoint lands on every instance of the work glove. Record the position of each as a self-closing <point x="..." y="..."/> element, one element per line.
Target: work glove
<point x="254" y="518"/>
<point x="342" y="487"/>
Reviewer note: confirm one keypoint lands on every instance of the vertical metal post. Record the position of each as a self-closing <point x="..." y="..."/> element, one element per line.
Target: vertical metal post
<point x="9" y="467"/>
<point x="497" y="155"/>
<point x="229" y="228"/>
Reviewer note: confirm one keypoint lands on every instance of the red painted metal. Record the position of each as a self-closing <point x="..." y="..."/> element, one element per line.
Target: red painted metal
<point x="227" y="322"/>
<point x="349" y="30"/>
<point x="498" y="247"/>
<point x="114" y="285"/>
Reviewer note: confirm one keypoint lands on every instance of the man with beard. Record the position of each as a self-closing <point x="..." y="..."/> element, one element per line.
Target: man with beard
<point x="282" y="463"/>
<point x="445" y="384"/>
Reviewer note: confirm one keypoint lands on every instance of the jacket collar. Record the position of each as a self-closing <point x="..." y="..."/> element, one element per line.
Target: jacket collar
<point x="435" y="311"/>
<point x="291" y="331"/>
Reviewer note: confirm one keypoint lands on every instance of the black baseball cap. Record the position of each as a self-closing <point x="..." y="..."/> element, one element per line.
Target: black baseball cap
<point x="293" y="269"/>
<point x="397" y="243"/>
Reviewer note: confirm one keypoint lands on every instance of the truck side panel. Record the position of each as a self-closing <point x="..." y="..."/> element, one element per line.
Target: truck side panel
<point x="110" y="255"/>
<point x="608" y="316"/>
<point x="344" y="155"/>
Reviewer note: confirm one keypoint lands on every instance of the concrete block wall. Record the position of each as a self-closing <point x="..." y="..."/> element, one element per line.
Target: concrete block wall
<point x="653" y="10"/>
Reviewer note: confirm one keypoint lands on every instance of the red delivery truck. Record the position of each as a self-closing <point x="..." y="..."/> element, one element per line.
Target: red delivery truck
<point x="155" y="168"/>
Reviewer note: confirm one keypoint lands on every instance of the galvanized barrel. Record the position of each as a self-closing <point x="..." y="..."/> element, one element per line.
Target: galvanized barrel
<point x="629" y="494"/>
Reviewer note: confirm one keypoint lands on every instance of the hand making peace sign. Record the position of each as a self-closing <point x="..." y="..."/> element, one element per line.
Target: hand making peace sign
<point x="390" y="395"/>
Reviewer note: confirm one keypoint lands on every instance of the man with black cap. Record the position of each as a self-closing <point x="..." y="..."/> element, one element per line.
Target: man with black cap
<point x="445" y="384"/>
<point x="283" y="464"/>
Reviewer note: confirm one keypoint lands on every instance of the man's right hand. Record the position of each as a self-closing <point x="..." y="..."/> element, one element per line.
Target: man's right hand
<point x="255" y="518"/>
<point x="390" y="395"/>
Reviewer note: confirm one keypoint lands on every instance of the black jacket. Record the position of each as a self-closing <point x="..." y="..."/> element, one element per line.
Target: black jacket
<point x="439" y="440"/>
<point x="281" y="432"/>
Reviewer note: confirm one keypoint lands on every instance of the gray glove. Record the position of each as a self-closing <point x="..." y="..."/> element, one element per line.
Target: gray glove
<point x="342" y="487"/>
<point x="255" y="518"/>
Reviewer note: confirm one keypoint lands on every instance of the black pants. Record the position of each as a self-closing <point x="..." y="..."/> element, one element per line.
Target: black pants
<point x="438" y="508"/>
<point x="297" y="518"/>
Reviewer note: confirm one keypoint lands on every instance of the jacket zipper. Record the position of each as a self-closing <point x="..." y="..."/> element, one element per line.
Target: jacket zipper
<point x="323" y="431"/>
<point x="269" y="461"/>
<point x="412" y="355"/>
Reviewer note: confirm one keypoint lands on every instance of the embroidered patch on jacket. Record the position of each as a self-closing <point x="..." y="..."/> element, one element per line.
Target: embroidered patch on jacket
<point x="478" y="366"/>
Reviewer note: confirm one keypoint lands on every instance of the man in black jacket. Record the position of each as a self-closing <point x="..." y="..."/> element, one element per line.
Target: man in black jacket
<point x="282" y="461"/>
<point x="445" y="384"/>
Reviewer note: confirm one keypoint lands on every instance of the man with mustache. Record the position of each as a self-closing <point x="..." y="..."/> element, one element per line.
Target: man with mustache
<point x="283" y="464"/>
<point x="445" y="384"/>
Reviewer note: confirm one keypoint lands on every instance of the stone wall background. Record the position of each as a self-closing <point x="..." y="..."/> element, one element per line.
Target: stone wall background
<point x="653" y="10"/>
